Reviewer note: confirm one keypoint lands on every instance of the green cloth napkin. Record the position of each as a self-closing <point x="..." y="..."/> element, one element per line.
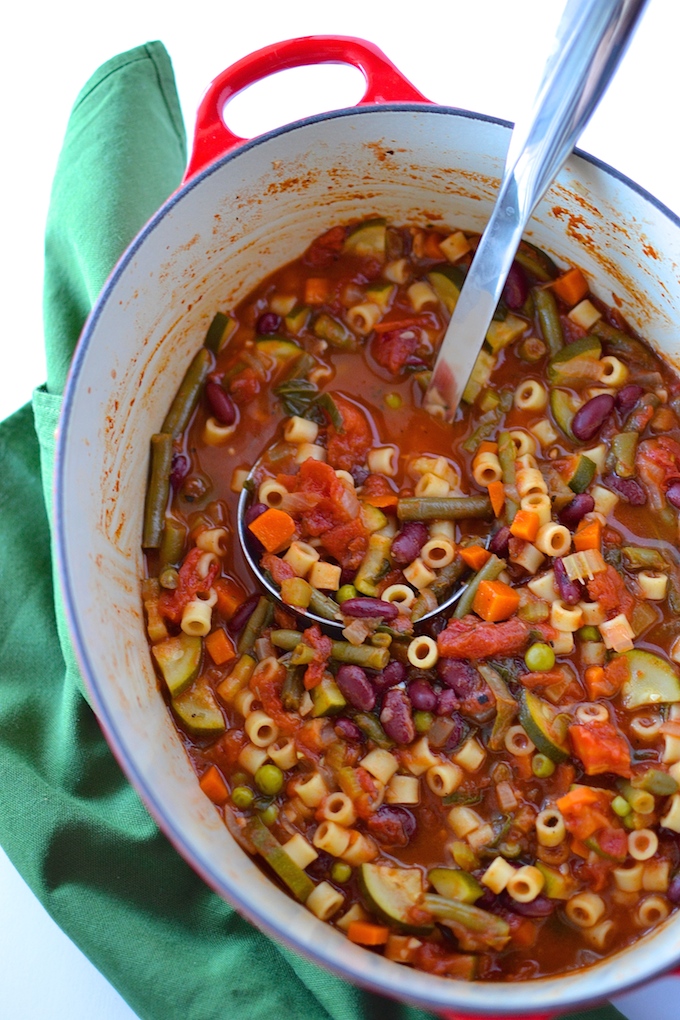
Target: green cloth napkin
<point x="69" y="821"/>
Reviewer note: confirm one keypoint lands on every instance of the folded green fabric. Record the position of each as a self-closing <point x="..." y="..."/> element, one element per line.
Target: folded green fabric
<point x="70" y="822"/>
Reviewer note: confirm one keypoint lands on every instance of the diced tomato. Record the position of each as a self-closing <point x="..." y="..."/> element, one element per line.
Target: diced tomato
<point x="228" y="747"/>
<point x="189" y="583"/>
<point x="613" y="842"/>
<point x="313" y="737"/>
<point x="245" y="386"/>
<point x="392" y="348"/>
<point x="609" y="589"/>
<point x="322" y="650"/>
<point x="614" y="675"/>
<point x="585" y="810"/>
<point x="323" y="251"/>
<point x="471" y="639"/>
<point x="278" y="568"/>
<point x="348" y="448"/>
<point x="267" y="685"/>
<point x="601" y="748"/>
<point x="347" y="543"/>
<point x="336" y="503"/>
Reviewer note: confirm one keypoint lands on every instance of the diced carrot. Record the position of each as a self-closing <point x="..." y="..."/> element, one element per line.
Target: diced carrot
<point x="220" y="647"/>
<point x="475" y="556"/>
<point x="588" y="536"/>
<point x="382" y="501"/>
<point x="525" y="525"/>
<point x="214" y="786"/>
<point x="367" y="934"/>
<point x="274" y="529"/>
<point x="230" y="596"/>
<point x="486" y="446"/>
<point x="495" y="601"/>
<point x="601" y="748"/>
<point x="585" y="810"/>
<point x="580" y="849"/>
<point x="431" y="246"/>
<point x="571" y="286"/>
<point x="317" y="290"/>
<point x="593" y="676"/>
<point x="496" y="492"/>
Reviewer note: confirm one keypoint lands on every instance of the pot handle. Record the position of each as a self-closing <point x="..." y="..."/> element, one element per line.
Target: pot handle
<point x="384" y="84"/>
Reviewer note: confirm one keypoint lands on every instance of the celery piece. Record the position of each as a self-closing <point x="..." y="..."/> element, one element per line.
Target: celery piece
<point x="276" y="857"/>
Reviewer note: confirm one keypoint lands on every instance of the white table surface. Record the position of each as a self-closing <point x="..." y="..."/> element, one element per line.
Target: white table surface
<point x="485" y="55"/>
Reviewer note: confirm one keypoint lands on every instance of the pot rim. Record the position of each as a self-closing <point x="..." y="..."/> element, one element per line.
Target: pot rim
<point x="534" y="994"/>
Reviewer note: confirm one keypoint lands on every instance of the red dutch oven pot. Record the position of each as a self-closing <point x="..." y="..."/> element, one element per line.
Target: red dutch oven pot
<point x="245" y="208"/>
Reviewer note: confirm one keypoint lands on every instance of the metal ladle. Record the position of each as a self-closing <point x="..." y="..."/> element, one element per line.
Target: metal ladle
<point x="591" y="39"/>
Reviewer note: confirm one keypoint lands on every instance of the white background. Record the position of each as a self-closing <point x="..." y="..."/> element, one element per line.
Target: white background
<point x="483" y="55"/>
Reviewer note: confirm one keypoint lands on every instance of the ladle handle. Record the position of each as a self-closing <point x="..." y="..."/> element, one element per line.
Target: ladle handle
<point x="590" y="41"/>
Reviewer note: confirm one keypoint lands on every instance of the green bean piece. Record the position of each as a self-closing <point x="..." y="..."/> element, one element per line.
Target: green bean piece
<point x="624" y="346"/>
<point x="259" y="619"/>
<point x="637" y="557"/>
<point x="506" y="706"/>
<point x="370" y="725"/>
<point x="487" y="425"/>
<point x="172" y="542"/>
<point x="219" y="331"/>
<point x="169" y="578"/>
<point x="293" y="689"/>
<point x="334" y="332"/>
<point x="158" y="490"/>
<point x="188" y="393"/>
<point x="621" y="807"/>
<point x="655" y="781"/>
<point x="487" y="930"/>
<point x="507" y="455"/>
<point x="536" y="262"/>
<point x="444" y="508"/>
<point x="489" y="572"/>
<point x="542" y="766"/>
<point x="549" y="319"/>
<point x="322" y="605"/>
<point x="444" y="581"/>
<point x="341" y="651"/>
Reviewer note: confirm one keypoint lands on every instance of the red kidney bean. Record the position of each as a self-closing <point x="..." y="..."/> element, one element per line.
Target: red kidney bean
<point x="574" y="512"/>
<point x="347" y="576"/>
<point x="673" y="495"/>
<point x="590" y="418"/>
<point x="359" y="474"/>
<point x="408" y="542"/>
<point x="393" y="674"/>
<point x="673" y="893"/>
<point x="627" y="398"/>
<point x="243" y="613"/>
<point x="396" y="717"/>
<point x="628" y="488"/>
<point x="460" y="675"/>
<point x="447" y="702"/>
<point x="499" y="544"/>
<point x="391" y="825"/>
<point x="516" y="287"/>
<point x="423" y="696"/>
<point x="365" y="608"/>
<point x="220" y="403"/>
<point x="268" y="323"/>
<point x="355" y="687"/>
<point x="414" y="362"/>
<point x="539" y="907"/>
<point x="570" y="591"/>
<point x="254" y="511"/>
<point x="179" y="470"/>
<point x="348" y="730"/>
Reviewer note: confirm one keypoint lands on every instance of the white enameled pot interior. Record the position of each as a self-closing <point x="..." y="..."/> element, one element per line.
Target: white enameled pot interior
<point x="212" y="242"/>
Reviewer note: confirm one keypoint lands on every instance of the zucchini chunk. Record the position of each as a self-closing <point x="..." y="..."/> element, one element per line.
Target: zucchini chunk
<point x="179" y="660"/>
<point x="391" y="893"/>
<point x="199" y="711"/>
<point x="545" y="727"/>
<point x="652" y="681"/>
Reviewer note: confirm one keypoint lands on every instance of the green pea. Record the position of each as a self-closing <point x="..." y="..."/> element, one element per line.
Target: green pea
<point x="588" y="634"/>
<point x="242" y="797"/>
<point x="539" y="658"/>
<point x="341" y="872"/>
<point x="422" y="721"/>
<point x="393" y="400"/>
<point x="269" y="780"/>
<point x="542" y="766"/>
<point x="621" y="807"/>
<point x="240" y="779"/>
<point x="269" y="815"/>
<point x="347" y="591"/>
